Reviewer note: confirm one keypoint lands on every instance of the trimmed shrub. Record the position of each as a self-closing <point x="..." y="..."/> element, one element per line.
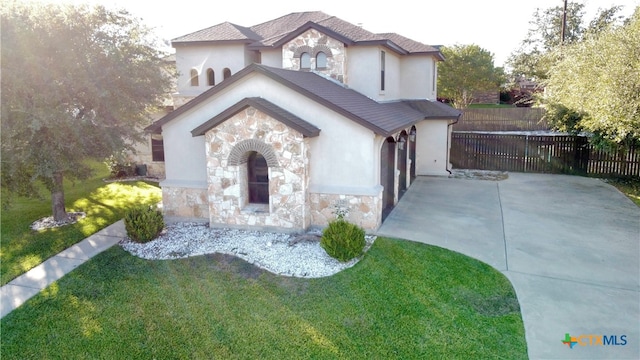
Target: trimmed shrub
<point x="342" y="240"/>
<point x="143" y="223"/>
<point x="120" y="168"/>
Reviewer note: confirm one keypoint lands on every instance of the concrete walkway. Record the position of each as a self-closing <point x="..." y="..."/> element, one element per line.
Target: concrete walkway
<point x="568" y="244"/>
<point x="22" y="288"/>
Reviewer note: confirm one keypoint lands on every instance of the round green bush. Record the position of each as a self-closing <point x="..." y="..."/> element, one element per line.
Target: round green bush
<point x="343" y="240"/>
<point x="143" y="223"/>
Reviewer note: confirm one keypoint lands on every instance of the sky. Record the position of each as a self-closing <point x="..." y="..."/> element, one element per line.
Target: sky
<point x="498" y="26"/>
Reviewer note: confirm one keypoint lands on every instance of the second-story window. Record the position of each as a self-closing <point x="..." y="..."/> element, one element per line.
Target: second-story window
<point x="321" y="60"/>
<point x="305" y="61"/>
<point x="226" y="73"/>
<point x="194" y="77"/>
<point x="382" y="69"/>
<point x="434" y="79"/>
<point x="211" y="78"/>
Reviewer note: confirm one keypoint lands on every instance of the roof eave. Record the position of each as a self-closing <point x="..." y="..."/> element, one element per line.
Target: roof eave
<point x="310" y="131"/>
<point x="386" y="43"/>
<point x="438" y="55"/>
<point x="210" y="42"/>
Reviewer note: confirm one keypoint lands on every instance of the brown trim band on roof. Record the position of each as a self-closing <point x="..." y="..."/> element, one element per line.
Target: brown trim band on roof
<point x="210" y="42"/>
<point x="267" y="107"/>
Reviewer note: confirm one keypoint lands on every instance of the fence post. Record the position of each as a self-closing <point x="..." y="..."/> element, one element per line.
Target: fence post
<point x="526" y="153"/>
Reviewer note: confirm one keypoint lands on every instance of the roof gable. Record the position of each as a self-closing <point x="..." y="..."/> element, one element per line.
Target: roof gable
<point x="276" y="112"/>
<point x="276" y="32"/>
<point x="381" y="118"/>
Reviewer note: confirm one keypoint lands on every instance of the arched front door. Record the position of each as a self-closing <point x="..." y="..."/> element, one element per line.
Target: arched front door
<point x="387" y="175"/>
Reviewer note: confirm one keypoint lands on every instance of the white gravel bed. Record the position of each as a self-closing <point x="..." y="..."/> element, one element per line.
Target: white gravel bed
<point x="283" y="254"/>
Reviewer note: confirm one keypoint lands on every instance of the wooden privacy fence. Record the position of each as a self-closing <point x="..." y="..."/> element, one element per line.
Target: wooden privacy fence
<point x="559" y="154"/>
<point x="501" y="119"/>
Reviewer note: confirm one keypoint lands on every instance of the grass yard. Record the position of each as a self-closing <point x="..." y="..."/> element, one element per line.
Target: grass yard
<point x="22" y="248"/>
<point x="628" y="186"/>
<point x="404" y="300"/>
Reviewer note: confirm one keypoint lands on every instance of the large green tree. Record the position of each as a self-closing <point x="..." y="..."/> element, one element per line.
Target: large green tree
<point x="78" y="83"/>
<point x="466" y="70"/>
<point x="595" y="86"/>
<point x="536" y="55"/>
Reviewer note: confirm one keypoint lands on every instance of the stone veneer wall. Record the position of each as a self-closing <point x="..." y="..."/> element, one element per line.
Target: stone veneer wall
<point x="286" y="152"/>
<point x="185" y="202"/>
<point x="362" y="210"/>
<point x="313" y="41"/>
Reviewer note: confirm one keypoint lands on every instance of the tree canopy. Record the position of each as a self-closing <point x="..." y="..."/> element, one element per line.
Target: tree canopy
<point x="466" y="70"/>
<point x="78" y="83"/>
<point x="536" y="55"/>
<point x="595" y="86"/>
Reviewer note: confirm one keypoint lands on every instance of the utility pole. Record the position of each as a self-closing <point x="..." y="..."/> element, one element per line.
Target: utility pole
<point x="564" y="23"/>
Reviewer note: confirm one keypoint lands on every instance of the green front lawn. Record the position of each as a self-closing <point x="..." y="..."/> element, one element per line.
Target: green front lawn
<point x="629" y="186"/>
<point x="404" y="300"/>
<point x="22" y="248"/>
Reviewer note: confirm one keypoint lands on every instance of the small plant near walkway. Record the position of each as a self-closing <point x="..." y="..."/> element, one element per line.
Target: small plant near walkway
<point x="143" y="223"/>
<point x="22" y="248"/>
<point x="342" y="240"/>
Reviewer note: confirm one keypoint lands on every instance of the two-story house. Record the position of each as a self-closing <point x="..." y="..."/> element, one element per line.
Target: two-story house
<point x="277" y="125"/>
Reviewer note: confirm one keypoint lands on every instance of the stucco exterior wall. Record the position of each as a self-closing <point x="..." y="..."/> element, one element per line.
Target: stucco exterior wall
<point x="340" y="161"/>
<point x="312" y="41"/>
<point x="271" y="58"/>
<point x="417" y="77"/>
<point x="227" y="180"/>
<point x="202" y="57"/>
<point x="432" y="147"/>
<point x="363" y="72"/>
<point x="344" y="157"/>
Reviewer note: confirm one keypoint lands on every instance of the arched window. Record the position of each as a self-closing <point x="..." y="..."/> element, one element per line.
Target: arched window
<point x="194" y="77"/>
<point x="226" y="73"/>
<point x="258" y="178"/>
<point x="211" y="78"/>
<point x="321" y="60"/>
<point x="305" y="61"/>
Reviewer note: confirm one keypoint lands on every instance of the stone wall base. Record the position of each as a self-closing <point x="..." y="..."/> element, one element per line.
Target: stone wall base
<point x="191" y="203"/>
<point x="362" y="210"/>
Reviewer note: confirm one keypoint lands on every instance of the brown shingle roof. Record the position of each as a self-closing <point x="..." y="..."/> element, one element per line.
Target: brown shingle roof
<point x="433" y="109"/>
<point x="382" y="118"/>
<point x="225" y="31"/>
<point x="287" y="23"/>
<point x="412" y="46"/>
<point x="274" y="32"/>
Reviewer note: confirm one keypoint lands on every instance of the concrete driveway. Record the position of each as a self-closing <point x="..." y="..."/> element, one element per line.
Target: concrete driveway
<point x="569" y="245"/>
